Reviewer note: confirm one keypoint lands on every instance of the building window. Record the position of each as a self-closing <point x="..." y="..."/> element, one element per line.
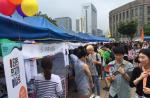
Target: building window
<point x="148" y="10"/>
<point x="120" y="16"/>
<point x="141" y="11"/>
<point x="132" y="12"/>
<point x="116" y="17"/>
<point x="123" y="15"/>
<point x="136" y="11"/>
<point x="148" y="20"/>
<point x="127" y="13"/>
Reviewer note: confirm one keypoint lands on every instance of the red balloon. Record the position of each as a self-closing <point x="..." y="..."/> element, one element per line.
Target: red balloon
<point x="7" y="8"/>
<point x="15" y="2"/>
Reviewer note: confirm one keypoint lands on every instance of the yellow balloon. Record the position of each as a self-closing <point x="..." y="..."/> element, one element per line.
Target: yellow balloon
<point x="29" y="7"/>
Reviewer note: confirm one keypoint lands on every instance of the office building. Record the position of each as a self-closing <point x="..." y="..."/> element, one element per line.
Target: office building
<point x="138" y="10"/>
<point x="89" y="14"/>
<point x="64" y="22"/>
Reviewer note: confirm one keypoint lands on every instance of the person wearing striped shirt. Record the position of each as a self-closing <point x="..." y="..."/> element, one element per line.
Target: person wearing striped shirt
<point x="48" y="85"/>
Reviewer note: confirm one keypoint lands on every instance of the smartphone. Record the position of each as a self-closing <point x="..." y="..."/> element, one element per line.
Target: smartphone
<point x="116" y="73"/>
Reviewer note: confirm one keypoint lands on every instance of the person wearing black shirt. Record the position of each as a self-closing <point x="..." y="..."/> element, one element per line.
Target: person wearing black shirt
<point x="141" y="73"/>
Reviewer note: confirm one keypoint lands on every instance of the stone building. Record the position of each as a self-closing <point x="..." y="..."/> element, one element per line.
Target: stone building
<point x="138" y="10"/>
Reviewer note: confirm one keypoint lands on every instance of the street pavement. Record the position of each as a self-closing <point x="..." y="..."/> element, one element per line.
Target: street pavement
<point x="104" y="94"/>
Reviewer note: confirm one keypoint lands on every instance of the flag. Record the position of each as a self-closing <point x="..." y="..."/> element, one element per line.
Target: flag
<point x="142" y="34"/>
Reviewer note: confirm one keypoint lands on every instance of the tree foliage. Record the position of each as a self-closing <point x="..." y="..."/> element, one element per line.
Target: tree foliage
<point x="129" y="28"/>
<point x="147" y="30"/>
<point x="47" y="17"/>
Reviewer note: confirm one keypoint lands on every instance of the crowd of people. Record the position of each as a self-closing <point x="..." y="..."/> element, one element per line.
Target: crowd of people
<point x="121" y="65"/>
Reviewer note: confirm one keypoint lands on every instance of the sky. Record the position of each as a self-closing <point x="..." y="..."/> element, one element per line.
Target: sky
<point x="72" y="9"/>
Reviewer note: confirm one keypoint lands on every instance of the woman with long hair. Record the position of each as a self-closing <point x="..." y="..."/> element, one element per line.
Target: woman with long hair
<point x="48" y="85"/>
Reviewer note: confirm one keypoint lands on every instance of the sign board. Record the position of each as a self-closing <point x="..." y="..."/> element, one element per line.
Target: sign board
<point x="40" y="50"/>
<point x="14" y="70"/>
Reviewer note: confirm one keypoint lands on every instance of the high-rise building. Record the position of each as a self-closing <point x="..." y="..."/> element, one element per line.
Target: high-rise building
<point x="89" y="14"/>
<point x="79" y="25"/>
<point x="138" y="10"/>
<point x="64" y="22"/>
<point x="99" y="32"/>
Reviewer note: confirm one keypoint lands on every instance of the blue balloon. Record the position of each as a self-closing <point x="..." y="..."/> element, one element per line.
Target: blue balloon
<point x="19" y="10"/>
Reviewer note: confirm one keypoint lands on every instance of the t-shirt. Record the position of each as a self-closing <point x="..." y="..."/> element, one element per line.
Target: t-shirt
<point x="106" y="56"/>
<point x="120" y="86"/>
<point x="135" y="74"/>
<point x="48" y="88"/>
<point x="81" y="78"/>
<point x="92" y="66"/>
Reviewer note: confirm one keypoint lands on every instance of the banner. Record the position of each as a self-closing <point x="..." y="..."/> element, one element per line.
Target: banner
<point x="40" y="50"/>
<point x="14" y="70"/>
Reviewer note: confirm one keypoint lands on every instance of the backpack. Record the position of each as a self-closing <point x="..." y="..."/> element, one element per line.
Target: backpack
<point x="98" y="67"/>
<point x="111" y="55"/>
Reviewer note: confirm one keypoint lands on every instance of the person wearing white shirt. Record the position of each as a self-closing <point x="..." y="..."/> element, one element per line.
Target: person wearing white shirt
<point x="48" y="85"/>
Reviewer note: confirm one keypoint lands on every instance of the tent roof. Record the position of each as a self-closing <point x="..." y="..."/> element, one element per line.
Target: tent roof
<point x="31" y="28"/>
<point x="147" y="38"/>
<point x="36" y="27"/>
<point x="93" y="38"/>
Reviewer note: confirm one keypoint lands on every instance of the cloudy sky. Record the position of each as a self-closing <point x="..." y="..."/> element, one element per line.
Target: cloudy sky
<point x="72" y="8"/>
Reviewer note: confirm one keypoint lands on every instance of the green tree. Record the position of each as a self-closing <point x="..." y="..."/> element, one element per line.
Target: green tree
<point x="147" y="30"/>
<point x="47" y="17"/>
<point x="129" y="28"/>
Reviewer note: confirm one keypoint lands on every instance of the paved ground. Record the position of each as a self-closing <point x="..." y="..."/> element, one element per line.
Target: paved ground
<point x="104" y="94"/>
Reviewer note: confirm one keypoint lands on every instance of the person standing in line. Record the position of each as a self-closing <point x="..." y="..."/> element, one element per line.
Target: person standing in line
<point x="119" y="77"/>
<point x="48" y="85"/>
<point x="83" y="77"/>
<point x="92" y="62"/>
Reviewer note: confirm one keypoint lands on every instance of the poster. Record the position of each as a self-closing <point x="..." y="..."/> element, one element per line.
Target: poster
<point x="30" y="68"/>
<point x="40" y="50"/>
<point x="14" y="70"/>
